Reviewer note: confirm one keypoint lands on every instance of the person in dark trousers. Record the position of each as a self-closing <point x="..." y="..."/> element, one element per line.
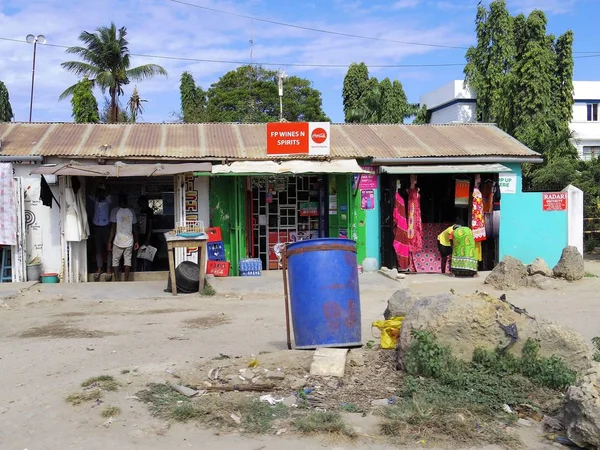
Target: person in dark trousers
<point x="123" y="236"/>
<point x="101" y="222"/>
<point x="145" y="228"/>
<point x="444" y="242"/>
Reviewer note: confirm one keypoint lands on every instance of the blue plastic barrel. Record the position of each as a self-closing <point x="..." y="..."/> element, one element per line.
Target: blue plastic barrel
<point x="323" y="292"/>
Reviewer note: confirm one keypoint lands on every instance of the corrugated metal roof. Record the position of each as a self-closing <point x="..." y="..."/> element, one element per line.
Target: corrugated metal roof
<point x="248" y="141"/>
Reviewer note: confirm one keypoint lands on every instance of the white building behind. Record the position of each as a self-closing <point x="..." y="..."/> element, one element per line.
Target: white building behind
<point x="453" y="103"/>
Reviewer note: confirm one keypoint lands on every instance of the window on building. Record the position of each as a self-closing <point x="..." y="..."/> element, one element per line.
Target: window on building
<point x="592" y="112"/>
<point x="590" y="152"/>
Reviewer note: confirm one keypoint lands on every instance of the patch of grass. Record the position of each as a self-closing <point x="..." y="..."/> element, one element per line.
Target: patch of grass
<point x="208" y="290"/>
<point x="104" y="382"/>
<point x="125" y="371"/>
<point x="350" y="408"/>
<point x="413" y="419"/>
<point x="257" y="417"/>
<point x="329" y="422"/>
<point x="596" y="344"/>
<point x="83" y="397"/>
<point x="111" y="411"/>
<point x="590" y="275"/>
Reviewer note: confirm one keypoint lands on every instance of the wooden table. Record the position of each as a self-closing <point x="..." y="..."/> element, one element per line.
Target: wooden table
<point x="174" y="241"/>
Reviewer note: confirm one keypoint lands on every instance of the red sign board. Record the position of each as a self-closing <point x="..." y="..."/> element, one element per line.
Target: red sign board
<point x="298" y="138"/>
<point x="554" y="201"/>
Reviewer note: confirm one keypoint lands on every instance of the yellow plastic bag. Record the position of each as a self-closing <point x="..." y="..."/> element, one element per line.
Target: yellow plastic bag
<point x="390" y="331"/>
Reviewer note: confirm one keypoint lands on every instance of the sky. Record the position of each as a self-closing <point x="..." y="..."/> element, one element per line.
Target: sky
<point x="171" y="29"/>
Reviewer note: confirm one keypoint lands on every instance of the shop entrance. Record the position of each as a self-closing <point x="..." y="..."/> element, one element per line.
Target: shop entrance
<point x="439" y="210"/>
<point x="284" y="209"/>
<point x="159" y="193"/>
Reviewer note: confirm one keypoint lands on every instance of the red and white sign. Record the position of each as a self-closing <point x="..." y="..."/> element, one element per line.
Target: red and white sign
<point x="554" y="201"/>
<point x="298" y="138"/>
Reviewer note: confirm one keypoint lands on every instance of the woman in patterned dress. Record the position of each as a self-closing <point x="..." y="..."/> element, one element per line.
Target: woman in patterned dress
<point x="464" y="254"/>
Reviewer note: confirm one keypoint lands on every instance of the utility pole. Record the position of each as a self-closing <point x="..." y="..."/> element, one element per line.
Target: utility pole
<point x="31" y="39"/>
<point x="281" y="75"/>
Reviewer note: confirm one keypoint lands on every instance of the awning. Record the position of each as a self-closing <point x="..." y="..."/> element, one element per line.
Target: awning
<point x="466" y="168"/>
<point x="288" y="167"/>
<point x="121" y="170"/>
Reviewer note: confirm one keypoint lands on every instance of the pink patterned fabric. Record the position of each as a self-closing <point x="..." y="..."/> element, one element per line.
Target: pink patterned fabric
<point x="428" y="259"/>
<point x="415" y="227"/>
<point x="477" y="217"/>
<point x="400" y="233"/>
<point x="8" y="208"/>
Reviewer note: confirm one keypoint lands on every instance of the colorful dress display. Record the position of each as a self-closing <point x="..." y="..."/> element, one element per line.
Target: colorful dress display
<point x="401" y="233"/>
<point x="415" y="226"/>
<point x="478" y="222"/>
<point x="461" y="193"/>
<point x="464" y="257"/>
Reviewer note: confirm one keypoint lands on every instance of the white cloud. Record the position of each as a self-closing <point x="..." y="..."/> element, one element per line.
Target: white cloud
<point x="401" y="4"/>
<point x="159" y="27"/>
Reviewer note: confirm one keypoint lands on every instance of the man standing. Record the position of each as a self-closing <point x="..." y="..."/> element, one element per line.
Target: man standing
<point x="145" y="228"/>
<point x="123" y="236"/>
<point x="101" y="222"/>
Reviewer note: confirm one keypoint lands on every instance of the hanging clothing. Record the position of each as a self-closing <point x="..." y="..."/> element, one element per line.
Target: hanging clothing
<point x="45" y="192"/>
<point x="401" y="233"/>
<point x="8" y="206"/>
<point x="477" y="217"/>
<point x="461" y="193"/>
<point x="76" y="223"/>
<point x="464" y="257"/>
<point x="415" y="226"/>
<point x="487" y="192"/>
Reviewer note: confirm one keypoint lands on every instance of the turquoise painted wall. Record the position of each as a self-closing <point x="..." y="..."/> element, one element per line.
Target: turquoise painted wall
<point x="373" y="225"/>
<point x="528" y="232"/>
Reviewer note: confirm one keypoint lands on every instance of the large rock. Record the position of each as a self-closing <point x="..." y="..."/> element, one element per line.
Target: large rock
<point x="467" y="322"/>
<point x="542" y="282"/>
<point x="570" y="266"/>
<point x="581" y="410"/>
<point x="510" y="273"/>
<point x="399" y="304"/>
<point x="539" y="267"/>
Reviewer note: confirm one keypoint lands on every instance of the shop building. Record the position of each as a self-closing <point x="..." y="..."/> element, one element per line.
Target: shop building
<point x="224" y="176"/>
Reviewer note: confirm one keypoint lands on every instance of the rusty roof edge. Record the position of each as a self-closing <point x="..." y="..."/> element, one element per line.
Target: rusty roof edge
<point x="163" y="141"/>
<point x="124" y="139"/>
<point x="84" y="138"/>
<point x="238" y="135"/>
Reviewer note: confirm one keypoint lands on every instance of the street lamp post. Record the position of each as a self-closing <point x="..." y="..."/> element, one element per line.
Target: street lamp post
<point x="31" y="39"/>
<point x="281" y="76"/>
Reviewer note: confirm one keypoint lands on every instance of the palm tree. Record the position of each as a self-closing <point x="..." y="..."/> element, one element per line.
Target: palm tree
<point x="135" y="105"/>
<point x="106" y="63"/>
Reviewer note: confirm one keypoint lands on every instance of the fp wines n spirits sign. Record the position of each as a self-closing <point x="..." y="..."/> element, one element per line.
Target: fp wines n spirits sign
<point x="554" y="201"/>
<point x="299" y="138"/>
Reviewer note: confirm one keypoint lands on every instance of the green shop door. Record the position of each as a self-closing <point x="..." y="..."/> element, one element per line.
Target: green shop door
<point x="228" y="211"/>
<point x="346" y="217"/>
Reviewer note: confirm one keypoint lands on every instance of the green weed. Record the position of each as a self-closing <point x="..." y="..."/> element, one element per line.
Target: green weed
<point x="596" y="343"/>
<point x="111" y="411"/>
<point x="83" y="397"/>
<point x="104" y="382"/>
<point x="329" y="422"/>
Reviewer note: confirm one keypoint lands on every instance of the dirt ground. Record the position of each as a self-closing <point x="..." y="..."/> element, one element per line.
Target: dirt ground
<point x="53" y="337"/>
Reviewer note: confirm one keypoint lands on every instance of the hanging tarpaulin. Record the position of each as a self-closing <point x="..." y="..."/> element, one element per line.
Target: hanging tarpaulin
<point x="8" y="206"/>
<point x="462" y="191"/>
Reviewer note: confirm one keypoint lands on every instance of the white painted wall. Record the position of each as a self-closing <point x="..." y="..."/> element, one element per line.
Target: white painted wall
<point x="575" y="217"/>
<point x="458" y="112"/>
<point x="446" y="93"/>
<point x="42" y="224"/>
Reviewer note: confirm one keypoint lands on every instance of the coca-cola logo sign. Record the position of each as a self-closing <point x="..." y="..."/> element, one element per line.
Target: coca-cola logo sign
<point x="319" y="135"/>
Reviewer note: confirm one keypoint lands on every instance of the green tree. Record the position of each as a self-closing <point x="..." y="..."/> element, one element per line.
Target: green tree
<point x="423" y="116"/>
<point x="250" y="94"/>
<point x="106" y="62"/>
<point x="355" y="84"/>
<point x="379" y="101"/>
<point x="563" y="88"/>
<point x="85" y="106"/>
<point x="6" y="112"/>
<point x="193" y="100"/>
<point x="106" y="111"/>
<point x="490" y="61"/>
<point x="135" y="105"/>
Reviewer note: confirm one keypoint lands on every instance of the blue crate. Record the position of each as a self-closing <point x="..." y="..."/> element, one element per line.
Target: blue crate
<point x="215" y="251"/>
<point x="250" y="267"/>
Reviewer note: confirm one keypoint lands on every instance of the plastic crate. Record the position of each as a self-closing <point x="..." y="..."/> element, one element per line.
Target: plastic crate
<point x="250" y="267"/>
<point x="218" y="268"/>
<point x="214" y="234"/>
<point x="215" y="251"/>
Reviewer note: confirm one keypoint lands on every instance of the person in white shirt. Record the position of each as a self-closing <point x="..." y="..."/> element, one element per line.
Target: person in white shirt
<point x="101" y="221"/>
<point x="123" y="236"/>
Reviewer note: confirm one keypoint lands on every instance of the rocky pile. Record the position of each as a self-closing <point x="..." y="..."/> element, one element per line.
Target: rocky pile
<point x="511" y="274"/>
<point x="465" y="323"/>
<point x="581" y="410"/>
